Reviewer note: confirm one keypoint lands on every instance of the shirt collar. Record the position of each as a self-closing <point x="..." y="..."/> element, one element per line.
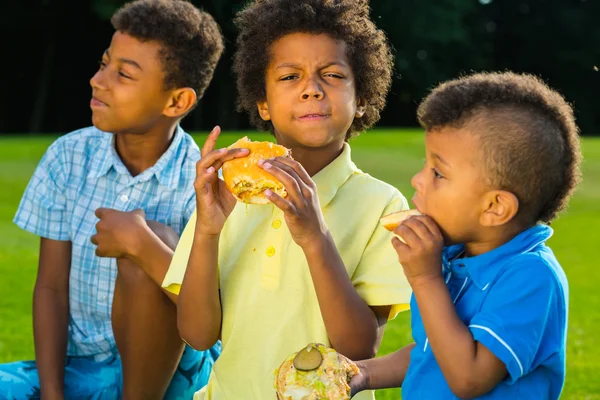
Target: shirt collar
<point x="484" y="268"/>
<point x="333" y="176"/>
<point x="105" y="157"/>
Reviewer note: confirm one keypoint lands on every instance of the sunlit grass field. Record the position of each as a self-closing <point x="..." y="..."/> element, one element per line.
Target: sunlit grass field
<point x="391" y="155"/>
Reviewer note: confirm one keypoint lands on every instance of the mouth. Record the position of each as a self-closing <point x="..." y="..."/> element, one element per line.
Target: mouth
<point x="415" y="202"/>
<point x="314" y="117"/>
<point x="97" y="103"/>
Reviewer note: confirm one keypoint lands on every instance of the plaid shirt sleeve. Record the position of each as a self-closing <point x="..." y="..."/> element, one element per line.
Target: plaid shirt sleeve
<point x="43" y="207"/>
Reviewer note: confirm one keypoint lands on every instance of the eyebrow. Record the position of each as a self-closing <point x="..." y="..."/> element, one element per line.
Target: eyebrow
<point x="441" y="160"/>
<point x="296" y="66"/>
<point x="125" y="61"/>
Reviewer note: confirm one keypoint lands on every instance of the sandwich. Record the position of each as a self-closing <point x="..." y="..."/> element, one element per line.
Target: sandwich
<point x="391" y="221"/>
<point x="245" y="179"/>
<point x="315" y="372"/>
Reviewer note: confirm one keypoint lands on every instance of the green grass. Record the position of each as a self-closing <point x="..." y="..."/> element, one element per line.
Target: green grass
<point x="391" y="155"/>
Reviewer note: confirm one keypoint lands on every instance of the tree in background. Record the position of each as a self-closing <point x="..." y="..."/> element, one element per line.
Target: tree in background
<point x="52" y="48"/>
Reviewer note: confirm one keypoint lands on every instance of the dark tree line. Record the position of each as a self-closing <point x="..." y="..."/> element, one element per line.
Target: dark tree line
<point x="51" y="48"/>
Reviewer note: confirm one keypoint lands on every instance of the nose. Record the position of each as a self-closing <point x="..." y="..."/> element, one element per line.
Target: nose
<point x="97" y="81"/>
<point x="312" y="90"/>
<point x="417" y="181"/>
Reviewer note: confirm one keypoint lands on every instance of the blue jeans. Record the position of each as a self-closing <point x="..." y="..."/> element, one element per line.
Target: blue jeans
<point x="89" y="379"/>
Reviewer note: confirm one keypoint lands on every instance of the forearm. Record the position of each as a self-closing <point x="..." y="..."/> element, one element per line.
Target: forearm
<point x="351" y="325"/>
<point x="387" y="371"/>
<point x="199" y="304"/>
<point x="50" y="330"/>
<point x="152" y="254"/>
<point x="450" y="339"/>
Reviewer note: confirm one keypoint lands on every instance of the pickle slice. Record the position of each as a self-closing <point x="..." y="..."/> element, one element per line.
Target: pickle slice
<point x="308" y="359"/>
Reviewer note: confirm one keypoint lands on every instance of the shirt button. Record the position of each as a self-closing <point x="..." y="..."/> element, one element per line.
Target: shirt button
<point x="270" y="251"/>
<point x="124" y="198"/>
<point x="276" y="224"/>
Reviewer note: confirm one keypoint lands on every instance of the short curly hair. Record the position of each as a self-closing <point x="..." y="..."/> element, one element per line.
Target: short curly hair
<point x="265" y="21"/>
<point x="191" y="40"/>
<point x="527" y="132"/>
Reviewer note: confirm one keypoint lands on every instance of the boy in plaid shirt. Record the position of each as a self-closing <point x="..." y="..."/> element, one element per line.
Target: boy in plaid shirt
<point x="122" y="190"/>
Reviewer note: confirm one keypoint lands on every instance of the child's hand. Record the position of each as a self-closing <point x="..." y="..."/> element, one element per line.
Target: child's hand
<point x="214" y="202"/>
<point x="359" y="382"/>
<point x="117" y="232"/>
<point x="421" y="255"/>
<point x="301" y="206"/>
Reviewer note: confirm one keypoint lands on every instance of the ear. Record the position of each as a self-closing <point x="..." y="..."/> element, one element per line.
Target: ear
<point x="361" y="107"/>
<point x="263" y="110"/>
<point x="180" y="102"/>
<point x="500" y="208"/>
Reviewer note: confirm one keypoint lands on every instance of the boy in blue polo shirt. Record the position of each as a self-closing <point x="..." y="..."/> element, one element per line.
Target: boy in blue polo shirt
<point x="502" y="160"/>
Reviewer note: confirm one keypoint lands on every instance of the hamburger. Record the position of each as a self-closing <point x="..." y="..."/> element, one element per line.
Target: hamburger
<point x="315" y="372"/>
<point x="391" y="221"/>
<point x="245" y="179"/>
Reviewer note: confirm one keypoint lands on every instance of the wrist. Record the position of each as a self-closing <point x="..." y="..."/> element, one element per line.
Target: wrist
<point x="138" y="241"/>
<point x="317" y="244"/>
<point x="426" y="281"/>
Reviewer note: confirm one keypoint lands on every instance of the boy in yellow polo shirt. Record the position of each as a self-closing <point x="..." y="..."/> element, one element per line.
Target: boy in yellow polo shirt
<point x="315" y="266"/>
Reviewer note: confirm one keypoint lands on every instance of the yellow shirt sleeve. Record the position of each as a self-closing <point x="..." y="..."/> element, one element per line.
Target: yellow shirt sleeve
<point x="379" y="278"/>
<point x="176" y="272"/>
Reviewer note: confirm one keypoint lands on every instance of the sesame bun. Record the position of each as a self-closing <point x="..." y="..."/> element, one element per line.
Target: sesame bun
<point x="245" y="179"/>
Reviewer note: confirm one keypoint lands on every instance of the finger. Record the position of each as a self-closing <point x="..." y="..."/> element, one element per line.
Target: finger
<point x="211" y="141"/>
<point x="100" y="212"/>
<point x="284" y="205"/>
<point x="400" y="246"/>
<point x="94" y="239"/>
<point x="205" y="180"/>
<point x="297" y="167"/>
<point x="407" y="234"/>
<point x="216" y="158"/>
<point x="418" y="227"/>
<point x="431" y="225"/>
<point x="286" y="176"/>
<point x="140" y="212"/>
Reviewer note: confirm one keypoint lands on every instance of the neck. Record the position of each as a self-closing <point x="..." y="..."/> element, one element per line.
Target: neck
<point x="313" y="159"/>
<point x="492" y="239"/>
<point x="141" y="151"/>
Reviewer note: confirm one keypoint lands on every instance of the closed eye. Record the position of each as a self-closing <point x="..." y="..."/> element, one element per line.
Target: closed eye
<point x="288" y="78"/>
<point x="123" y="75"/>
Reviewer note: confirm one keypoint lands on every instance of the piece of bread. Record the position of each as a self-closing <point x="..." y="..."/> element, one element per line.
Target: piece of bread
<point x="328" y="381"/>
<point x="245" y="179"/>
<point x="391" y="221"/>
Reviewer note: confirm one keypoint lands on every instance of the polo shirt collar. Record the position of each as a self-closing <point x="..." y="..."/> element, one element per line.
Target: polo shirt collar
<point x="484" y="268"/>
<point x="167" y="170"/>
<point x="333" y="176"/>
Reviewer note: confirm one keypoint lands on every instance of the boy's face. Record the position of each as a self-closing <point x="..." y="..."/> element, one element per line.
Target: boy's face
<point x="451" y="186"/>
<point x="128" y="93"/>
<point x="311" y="96"/>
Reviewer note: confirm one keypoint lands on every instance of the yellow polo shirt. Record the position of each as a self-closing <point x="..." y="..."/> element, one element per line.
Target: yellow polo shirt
<point x="270" y="309"/>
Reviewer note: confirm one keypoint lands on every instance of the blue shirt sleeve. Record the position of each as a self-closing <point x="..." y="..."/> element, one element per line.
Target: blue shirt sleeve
<point x="43" y="207"/>
<point x="518" y="317"/>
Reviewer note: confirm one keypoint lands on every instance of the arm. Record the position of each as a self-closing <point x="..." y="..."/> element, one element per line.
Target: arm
<point x="199" y="307"/>
<point x="51" y="315"/>
<point x="469" y="367"/>
<point x="148" y="244"/>
<point x="382" y="372"/>
<point x="199" y="304"/>
<point x="354" y="329"/>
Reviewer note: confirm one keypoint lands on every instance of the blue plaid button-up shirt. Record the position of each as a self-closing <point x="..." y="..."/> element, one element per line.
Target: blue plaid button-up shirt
<point x="79" y="173"/>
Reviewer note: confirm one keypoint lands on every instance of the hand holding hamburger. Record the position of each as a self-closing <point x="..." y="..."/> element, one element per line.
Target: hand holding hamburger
<point x="270" y="174"/>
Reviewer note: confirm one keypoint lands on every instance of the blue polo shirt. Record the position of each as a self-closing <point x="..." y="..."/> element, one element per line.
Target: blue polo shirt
<point x="514" y="299"/>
